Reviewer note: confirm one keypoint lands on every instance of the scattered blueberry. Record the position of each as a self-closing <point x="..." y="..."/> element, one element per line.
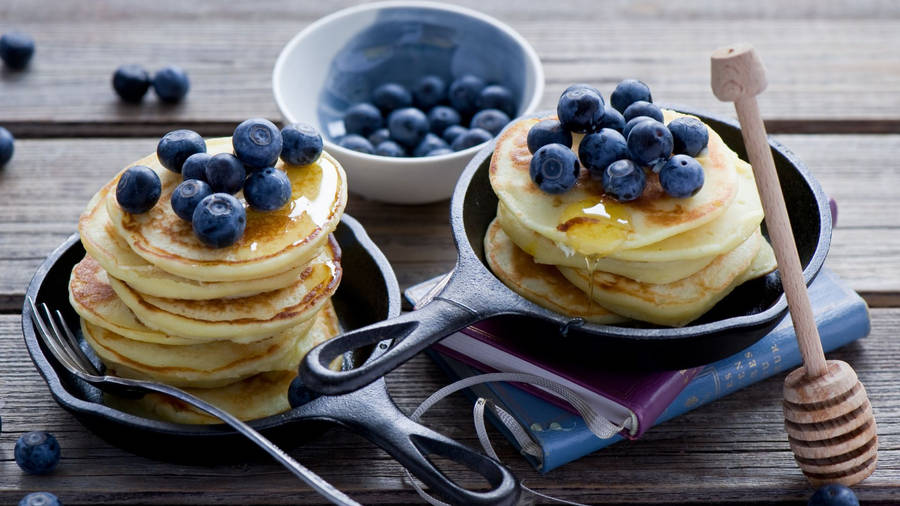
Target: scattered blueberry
<point x="464" y="93"/>
<point x="833" y="494"/>
<point x="497" y="97"/>
<point x="408" y="126"/>
<point x="471" y="138"/>
<point x="40" y="499"/>
<point x="362" y="119"/>
<point x="390" y="148"/>
<point x="138" y="189"/>
<point x="596" y="151"/>
<point x="268" y="189"/>
<point x="689" y="135"/>
<point x="131" y="82"/>
<point x="219" y="220"/>
<point x="628" y="92"/>
<point x="298" y="394"/>
<point x="391" y="96"/>
<point x="554" y="168"/>
<point x="442" y="117"/>
<point x="429" y="92"/>
<point x="492" y="120"/>
<point x="634" y="121"/>
<point x="430" y="143"/>
<point x="681" y="176"/>
<point x="642" y="108"/>
<point x="171" y="84"/>
<point x="357" y="143"/>
<point x="439" y="151"/>
<point x="611" y="119"/>
<point x="7" y="146"/>
<point x="580" y="109"/>
<point x="225" y="173"/>
<point x="301" y="144"/>
<point x="624" y="180"/>
<point x="195" y="167"/>
<point x="257" y="142"/>
<point x="187" y="195"/>
<point x="16" y="49"/>
<point x="548" y="131"/>
<point x="581" y="86"/>
<point x="452" y="132"/>
<point x="650" y="143"/>
<point x="379" y="136"/>
<point x="37" y="452"/>
<point x="176" y="146"/>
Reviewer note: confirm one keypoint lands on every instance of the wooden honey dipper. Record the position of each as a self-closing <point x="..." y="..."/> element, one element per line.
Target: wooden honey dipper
<point x="828" y="417"/>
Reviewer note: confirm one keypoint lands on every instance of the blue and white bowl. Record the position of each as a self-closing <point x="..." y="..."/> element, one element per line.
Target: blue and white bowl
<point x="338" y="60"/>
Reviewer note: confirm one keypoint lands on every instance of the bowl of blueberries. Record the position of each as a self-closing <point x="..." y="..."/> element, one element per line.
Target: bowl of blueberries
<point x="405" y="93"/>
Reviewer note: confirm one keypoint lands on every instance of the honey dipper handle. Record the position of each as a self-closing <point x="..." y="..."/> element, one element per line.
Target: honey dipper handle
<point x="738" y="76"/>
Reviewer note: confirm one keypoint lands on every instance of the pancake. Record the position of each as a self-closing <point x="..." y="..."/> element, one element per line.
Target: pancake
<point x="101" y="242"/>
<point x="678" y="303"/>
<point x="255" y="397"/>
<point x="247" y="318"/>
<point x="585" y="221"/>
<point x="541" y="284"/>
<point x="273" y="242"/>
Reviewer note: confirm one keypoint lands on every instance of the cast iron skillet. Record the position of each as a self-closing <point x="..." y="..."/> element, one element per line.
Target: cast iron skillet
<point x="473" y="294"/>
<point x="368" y="293"/>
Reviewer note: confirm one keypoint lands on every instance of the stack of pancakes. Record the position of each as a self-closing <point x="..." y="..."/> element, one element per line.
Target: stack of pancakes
<point x="229" y="325"/>
<point x="657" y="259"/>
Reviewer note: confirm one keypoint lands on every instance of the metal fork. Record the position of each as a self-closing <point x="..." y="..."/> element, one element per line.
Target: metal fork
<point x="65" y="348"/>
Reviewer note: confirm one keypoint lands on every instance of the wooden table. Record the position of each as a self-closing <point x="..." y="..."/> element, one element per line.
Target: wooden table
<point x="834" y="98"/>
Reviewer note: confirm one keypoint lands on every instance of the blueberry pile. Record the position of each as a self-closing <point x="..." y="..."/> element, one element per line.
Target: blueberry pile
<point x="205" y="196"/>
<point x="395" y="122"/>
<point x="623" y="141"/>
<point x="131" y="83"/>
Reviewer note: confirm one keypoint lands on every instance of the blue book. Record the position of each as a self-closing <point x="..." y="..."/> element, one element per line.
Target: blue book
<point x="562" y="436"/>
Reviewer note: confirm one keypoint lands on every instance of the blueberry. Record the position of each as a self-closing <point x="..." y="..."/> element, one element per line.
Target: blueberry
<point x="471" y="138"/>
<point x="268" y="189"/>
<point x="464" y="93"/>
<point x="581" y="86"/>
<point x="40" y="499"/>
<point x="548" y="131"/>
<point x="429" y="144"/>
<point x="580" y="110"/>
<point x="362" y="119"/>
<point x="390" y="148"/>
<point x="138" y="189"/>
<point x="131" y="82"/>
<point x="628" y="92"/>
<point x="611" y="119"/>
<point x="16" y="49"/>
<point x="37" y="452"/>
<point x="497" y="97"/>
<point x="225" y="173"/>
<point x="833" y="494"/>
<point x="195" y="167"/>
<point x="176" y="146"/>
<point x="442" y="117"/>
<point x="357" y="143"/>
<point x="492" y="120"/>
<point x="596" y="151"/>
<point x="391" y="96"/>
<point x="634" y="121"/>
<point x="301" y="144"/>
<point x="171" y="84"/>
<point x="429" y="92"/>
<point x="689" y="135"/>
<point x="298" y="394"/>
<point x="452" y="132"/>
<point x="187" y="195"/>
<point x="379" y="136"/>
<point x="624" y="180"/>
<point x="554" y="168"/>
<point x="408" y="126"/>
<point x="257" y="142"/>
<point x="650" y="143"/>
<point x="642" y="108"/>
<point x="439" y="151"/>
<point x="681" y="176"/>
<point x="7" y="146"/>
<point x="219" y="220"/>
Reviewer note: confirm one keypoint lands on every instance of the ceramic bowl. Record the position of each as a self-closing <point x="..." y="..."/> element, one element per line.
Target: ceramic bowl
<point x="336" y="62"/>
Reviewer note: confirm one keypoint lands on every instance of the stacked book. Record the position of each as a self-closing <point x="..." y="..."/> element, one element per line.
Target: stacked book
<point x="634" y="401"/>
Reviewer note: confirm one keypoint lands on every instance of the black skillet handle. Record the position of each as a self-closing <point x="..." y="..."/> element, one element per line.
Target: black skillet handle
<point x="412" y="332"/>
